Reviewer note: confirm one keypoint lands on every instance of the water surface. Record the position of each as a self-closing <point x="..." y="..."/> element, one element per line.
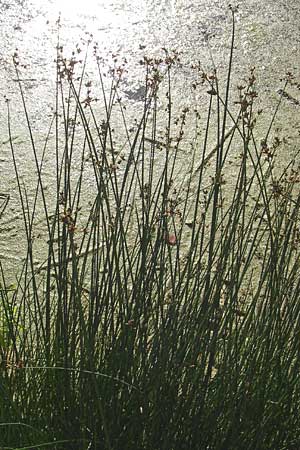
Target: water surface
<point x="267" y="36"/>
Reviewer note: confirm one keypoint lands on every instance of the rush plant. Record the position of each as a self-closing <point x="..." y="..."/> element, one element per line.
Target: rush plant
<point x="164" y="310"/>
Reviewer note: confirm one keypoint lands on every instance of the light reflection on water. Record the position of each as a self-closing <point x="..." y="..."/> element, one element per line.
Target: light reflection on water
<point x="267" y="36"/>
<point x="93" y="14"/>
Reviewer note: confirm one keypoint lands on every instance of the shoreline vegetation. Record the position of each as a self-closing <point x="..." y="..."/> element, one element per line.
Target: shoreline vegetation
<point x="165" y="313"/>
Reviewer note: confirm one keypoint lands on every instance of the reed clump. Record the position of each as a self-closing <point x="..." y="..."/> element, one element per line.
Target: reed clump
<point x="165" y="312"/>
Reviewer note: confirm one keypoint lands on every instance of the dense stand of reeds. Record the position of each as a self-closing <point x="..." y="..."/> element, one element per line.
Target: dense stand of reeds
<point x="165" y="314"/>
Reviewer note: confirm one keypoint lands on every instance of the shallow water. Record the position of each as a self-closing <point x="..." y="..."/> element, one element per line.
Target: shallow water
<point x="267" y="36"/>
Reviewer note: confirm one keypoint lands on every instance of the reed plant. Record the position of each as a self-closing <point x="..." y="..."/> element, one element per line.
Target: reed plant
<point x="165" y="313"/>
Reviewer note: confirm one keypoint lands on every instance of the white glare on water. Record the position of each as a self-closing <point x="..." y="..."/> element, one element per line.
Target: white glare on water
<point x="103" y="10"/>
<point x="69" y="8"/>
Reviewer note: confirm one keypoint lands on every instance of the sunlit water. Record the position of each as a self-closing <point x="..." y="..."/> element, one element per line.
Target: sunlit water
<point x="267" y="36"/>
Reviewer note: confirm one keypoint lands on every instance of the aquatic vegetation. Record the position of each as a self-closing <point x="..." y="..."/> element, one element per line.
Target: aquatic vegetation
<point x="163" y="312"/>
